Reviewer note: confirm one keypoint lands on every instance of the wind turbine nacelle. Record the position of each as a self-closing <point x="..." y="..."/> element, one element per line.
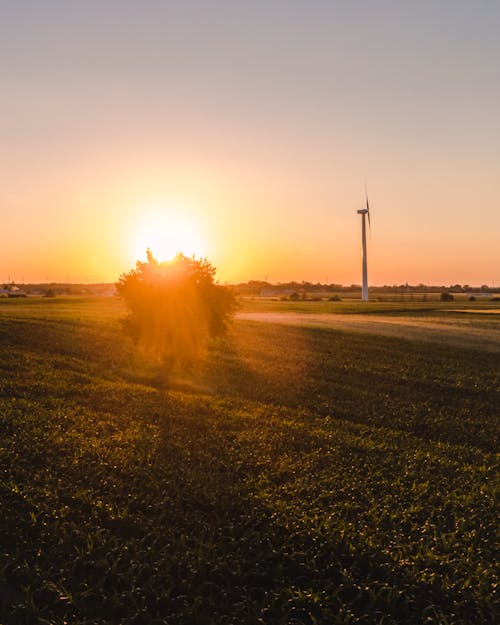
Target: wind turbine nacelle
<point x="363" y="211"/>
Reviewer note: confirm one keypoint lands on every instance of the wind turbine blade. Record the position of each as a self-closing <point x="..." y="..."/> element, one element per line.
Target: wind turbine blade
<point x="368" y="209"/>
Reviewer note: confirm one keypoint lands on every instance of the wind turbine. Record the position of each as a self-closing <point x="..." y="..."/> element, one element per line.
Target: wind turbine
<point x="364" y="212"/>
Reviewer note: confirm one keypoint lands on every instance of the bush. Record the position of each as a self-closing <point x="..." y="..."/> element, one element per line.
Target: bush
<point x="447" y="297"/>
<point x="175" y="307"/>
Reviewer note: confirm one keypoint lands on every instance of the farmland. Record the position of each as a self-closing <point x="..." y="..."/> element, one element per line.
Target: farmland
<point x="303" y="473"/>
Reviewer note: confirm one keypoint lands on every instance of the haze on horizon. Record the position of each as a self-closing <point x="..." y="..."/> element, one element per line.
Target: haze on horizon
<point x="246" y="132"/>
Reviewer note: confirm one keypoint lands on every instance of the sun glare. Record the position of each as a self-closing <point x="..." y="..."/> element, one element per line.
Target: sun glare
<point x="166" y="235"/>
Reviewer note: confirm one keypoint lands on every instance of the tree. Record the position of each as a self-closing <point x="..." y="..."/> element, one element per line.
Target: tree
<point x="175" y="307"/>
<point x="446" y="297"/>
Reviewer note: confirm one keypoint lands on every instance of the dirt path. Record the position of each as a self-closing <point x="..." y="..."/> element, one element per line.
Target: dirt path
<point x="468" y="332"/>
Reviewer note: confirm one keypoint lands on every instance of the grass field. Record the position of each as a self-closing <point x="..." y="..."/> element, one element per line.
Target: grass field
<point x="300" y="474"/>
<point x="351" y="305"/>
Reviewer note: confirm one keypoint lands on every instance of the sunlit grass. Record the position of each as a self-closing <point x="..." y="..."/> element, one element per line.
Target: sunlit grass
<point x="355" y="306"/>
<point x="303" y="475"/>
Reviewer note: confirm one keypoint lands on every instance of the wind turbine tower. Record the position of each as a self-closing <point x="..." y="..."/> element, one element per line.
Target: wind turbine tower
<point x="364" y="212"/>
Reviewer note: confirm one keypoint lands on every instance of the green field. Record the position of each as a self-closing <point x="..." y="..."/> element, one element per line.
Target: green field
<point x="298" y="475"/>
<point x="353" y="305"/>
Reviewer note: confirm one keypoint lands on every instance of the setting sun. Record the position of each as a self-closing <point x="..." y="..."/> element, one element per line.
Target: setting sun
<point x="166" y="233"/>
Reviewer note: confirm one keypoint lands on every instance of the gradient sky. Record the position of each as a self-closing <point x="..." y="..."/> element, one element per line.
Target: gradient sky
<point x="246" y="131"/>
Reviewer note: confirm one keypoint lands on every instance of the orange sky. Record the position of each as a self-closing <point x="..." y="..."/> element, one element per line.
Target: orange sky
<point x="248" y="131"/>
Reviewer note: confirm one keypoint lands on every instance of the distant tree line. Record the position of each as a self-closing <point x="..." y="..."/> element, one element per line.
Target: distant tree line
<point x="263" y="288"/>
<point x="66" y="288"/>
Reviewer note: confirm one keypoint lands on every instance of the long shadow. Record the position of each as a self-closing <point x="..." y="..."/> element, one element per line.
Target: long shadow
<point x="438" y="393"/>
<point x="173" y="519"/>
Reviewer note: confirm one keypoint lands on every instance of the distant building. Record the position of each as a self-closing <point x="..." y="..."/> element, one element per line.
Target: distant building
<point x="11" y="290"/>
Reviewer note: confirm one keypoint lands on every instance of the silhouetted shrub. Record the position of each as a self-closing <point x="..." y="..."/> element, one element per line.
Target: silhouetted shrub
<point x="175" y="307"/>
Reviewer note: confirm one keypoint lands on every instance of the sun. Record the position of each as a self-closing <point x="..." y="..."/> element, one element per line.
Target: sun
<point x="167" y="234"/>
